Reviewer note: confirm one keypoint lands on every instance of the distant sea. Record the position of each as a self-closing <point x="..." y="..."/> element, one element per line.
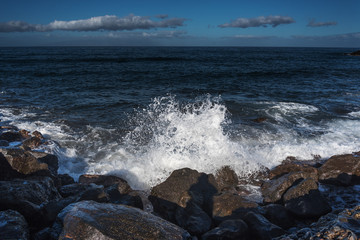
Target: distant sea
<point x="142" y="112"/>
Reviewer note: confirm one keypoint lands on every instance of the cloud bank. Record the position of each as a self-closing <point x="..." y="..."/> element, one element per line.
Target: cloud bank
<point x="261" y="21"/>
<point x="313" y="23"/>
<point x="107" y="22"/>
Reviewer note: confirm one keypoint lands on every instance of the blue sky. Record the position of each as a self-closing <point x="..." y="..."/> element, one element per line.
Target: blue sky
<point x="315" y="23"/>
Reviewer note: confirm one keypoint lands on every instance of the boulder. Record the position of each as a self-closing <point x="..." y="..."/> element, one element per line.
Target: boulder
<point x="229" y="229"/>
<point x="65" y="179"/>
<point x="292" y="166"/>
<point x="27" y="196"/>
<point x="24" y="134"/>
<point x="50" y="159"/>
<point x="260" y="228"/>
<point x="278" y="215"/>
<point x="38" y="135"/>
<point x="4" y="143"/>
<point x="10" y="136"/>
<point x="84" y="192"/>
<point x="341" y="169"/>
<point x="226" y="177"/>
<point x="273" y="190"/>
<point x="117" y="195"/>
<point x="92" y="220"/>
<point x="179" y="188"/>
<point x="106" y="181"/>
<point x="32" y="142"/>
<point x="13" y="226"/>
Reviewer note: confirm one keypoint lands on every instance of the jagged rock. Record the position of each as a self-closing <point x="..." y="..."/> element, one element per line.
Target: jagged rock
<point x="38" y="135"/>
<point x="179" y="188"/>
<point x="91" y="220"/>
<point x="341" y="169"/>
<point x="229" y="229"/>
<point x="278" y="215"/>
<point x="260" y="228"/>
<point x="289" y="167"/>
<point x="24" y="133"/>
<point x="27" y="196"/>
<point x="193" y="219"/>
<point x="23" y="162"/>
<point x="226" y="177"/>
<point x="50" y="159"/>
<point x="273" y="190"/>
<point x="32" y="142"/>
<point x="301" y="189"/>
<point x="6" y="170"/>
<point x="10" y="136"/>
<point x="84" y="192"/>
<point x="118" y="196"/>
<point x="65" y="179"/>
<point x="106" y="181"/>
<point x="225" y="204"/>
<point x="13" y="226"/>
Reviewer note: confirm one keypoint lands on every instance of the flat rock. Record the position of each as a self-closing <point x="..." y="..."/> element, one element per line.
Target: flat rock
<point x="92" y="220"/>
<point x="341" y="169"/>
<point x="13" y="226"/>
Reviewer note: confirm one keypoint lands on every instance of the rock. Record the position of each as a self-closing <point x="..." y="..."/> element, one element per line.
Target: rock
<point x="13" y="226"/>
<point x="4" y="143"/>
<point x="38" y="135"/>
<point x="44" y="234"/>
<point x="50" y="159"/>
<point x="289" y="167"/>
<point x="84" y="192"/>
<point x="301" y="189"/>
<point x="259" y="119"/>
<point x="193" y="219"/>
<point x="6" y="170"/>
<point x="27" y="196"/>
<point x="24" y="134"/>
<point x="226" y="177"/>
<point x="32" y="142"/>
<point x="65" y="179"/>
<point x="260" y="228"/>
<point x="311" y="205"/>
<point x="9" y="127"/>
<point x="118" y="196"/>
<point x="278" y="215"/>
<point x="91" y="220"/>
<point x="273" y="190"/>
<point x="257" y="178"/>
<point x="180" y="187"/>
<point x="23" y="162"/>
<point x="10" y="136"/>
<point x="341" y="169"/>
<point x="225" y="204"/>
<point x="229" y="229"/>
<point x="106" y="181"/>
<point x="356" y="53"/>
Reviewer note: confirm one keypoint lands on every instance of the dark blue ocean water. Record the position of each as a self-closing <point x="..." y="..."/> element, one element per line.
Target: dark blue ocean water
<point x="141" y="112"/>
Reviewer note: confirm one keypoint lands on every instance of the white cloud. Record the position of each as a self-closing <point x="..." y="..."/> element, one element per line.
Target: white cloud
<point x="261" y="21"/>
<point x="147" y="35"/>
<point x="313" y="23"/>
<point x="107" y="22"/>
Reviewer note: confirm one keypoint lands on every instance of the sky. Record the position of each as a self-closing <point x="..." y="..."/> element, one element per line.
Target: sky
<point x="287" y="23"/>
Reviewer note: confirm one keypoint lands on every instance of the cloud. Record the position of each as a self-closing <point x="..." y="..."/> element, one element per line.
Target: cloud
<point x="107" y="22"/>
<point x="162" y="16"/>
<point x="261" y="21"/>
<point x="313" y="23"/>
<point x="148" y="35"/>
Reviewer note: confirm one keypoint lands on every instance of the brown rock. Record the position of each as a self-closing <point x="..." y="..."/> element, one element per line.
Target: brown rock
<point x="341" y="169"/>
<point x="301" y="189"/>
<point x="226" y="177"/>
<point x="24" y="134"/>
<point x="106" y="181"/>
<point x="10" y="136"/>
<point x="32" y="142"/>
<point x="38" y="135"/>
<point x="356" y="53"/>
<point x="289" y="167"/>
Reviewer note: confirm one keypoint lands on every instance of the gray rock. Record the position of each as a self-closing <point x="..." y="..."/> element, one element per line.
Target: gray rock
<point x="13" y="226"/>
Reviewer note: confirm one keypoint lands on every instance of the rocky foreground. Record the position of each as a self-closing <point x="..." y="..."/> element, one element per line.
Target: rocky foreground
<point x="299" y="200"/>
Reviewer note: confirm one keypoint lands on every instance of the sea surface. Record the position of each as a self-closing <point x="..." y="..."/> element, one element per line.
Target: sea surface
<point x="142" y="112"/>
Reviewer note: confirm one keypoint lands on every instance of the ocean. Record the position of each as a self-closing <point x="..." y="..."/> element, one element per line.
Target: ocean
<point x="142" y="112"/>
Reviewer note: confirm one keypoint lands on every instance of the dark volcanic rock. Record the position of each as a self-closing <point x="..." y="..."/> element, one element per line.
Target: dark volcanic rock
<point x="13" y="226"/>
<point x="278" y="215"/>
<point x="229" y="229"/>
<point x="273" y="190"/>
<point x="106" y="181"/>
<point x="179" y="188"/>
<point x="260" y="228"/>
<point x="341" y="169"/>
<point x="226" y="177"/>
<point x="91" y="220"/>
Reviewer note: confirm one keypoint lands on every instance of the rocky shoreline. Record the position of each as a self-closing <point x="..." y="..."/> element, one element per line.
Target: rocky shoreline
<point x="298" y="200"/>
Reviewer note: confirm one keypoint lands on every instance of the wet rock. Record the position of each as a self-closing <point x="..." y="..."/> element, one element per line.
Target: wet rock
<point x="229" y="229"/>
<point x="259" y="120"/>
<point x="292" y="166"/>
<point x="91" y="220"/>
<point x="44" y="234"/>
<point x="38" y="135"/>
<point x="273" y="190"/>
<point x="260" y="228"/>
<point x="9" y="127"/>
<point x="27" y="196"/>
<point x="341" y="169"/>
<point x="106" y="181"/>
<point x="10" y="136"/>
<point x="301" y="189"/>
<point x="226" y="177"/>
<point x="356" y="53"/>
<point x="256" y="178"/>
<point x="50" y="159"/>
<point x="32" y="142"/>
<point x="278" y="215"/>
<point x="84" y="192"/>
<point x="65" y="179"/>
<point x="4" y="143"/>
<point x="24" y="134"/>
<point x="193" y="219"/>
<point x="6" y="170"/>
<point x="225" y="204"/>
<point x="13" y="226"/>
<point x="179" y="188"/>
<point x="23" y="162"/>
<point x="117" y="195"/>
